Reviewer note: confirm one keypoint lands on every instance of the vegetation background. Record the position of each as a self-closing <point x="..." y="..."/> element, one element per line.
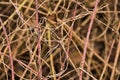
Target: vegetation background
<point x="59" y="39"/>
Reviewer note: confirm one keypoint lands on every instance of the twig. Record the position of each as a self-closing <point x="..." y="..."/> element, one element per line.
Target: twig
<point x="39" y="43"/>
<point x="116" y="59"/>
<point x="107" y="59"/>
<point x="87" y="39"/>
<point x="71" y="29"/>
<point x="9" y="49"/>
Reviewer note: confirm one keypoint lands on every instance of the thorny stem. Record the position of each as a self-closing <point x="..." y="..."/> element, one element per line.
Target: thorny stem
<point x="87" y="39"/>
<point x="9" y="49"/>
<point x="39" y="43"/>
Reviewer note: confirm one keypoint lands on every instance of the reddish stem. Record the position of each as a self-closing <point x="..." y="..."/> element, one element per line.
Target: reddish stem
<point x="9" y="49"/>
<point x="39" y="43"/>
<point x="87" y="39"/>
<point x="71" y="29"/>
